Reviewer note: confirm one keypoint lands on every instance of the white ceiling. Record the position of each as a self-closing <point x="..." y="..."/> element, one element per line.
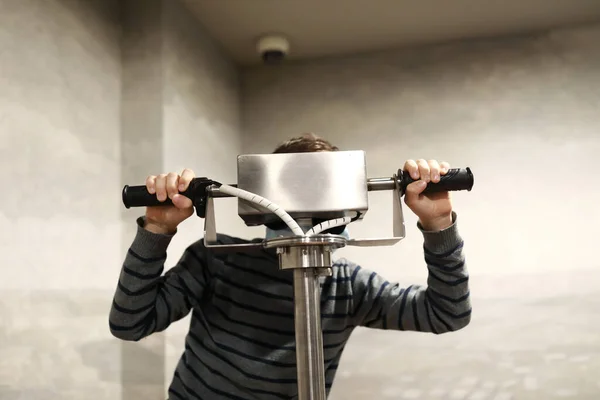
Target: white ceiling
<point x="319" y="28"/>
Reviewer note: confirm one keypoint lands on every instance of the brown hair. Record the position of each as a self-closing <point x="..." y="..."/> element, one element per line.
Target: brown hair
<point x="306" y="143"/>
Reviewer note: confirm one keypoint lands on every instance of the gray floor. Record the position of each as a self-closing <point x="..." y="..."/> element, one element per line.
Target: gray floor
<point x="541" y="340"/>
<point x="531" y="338"/>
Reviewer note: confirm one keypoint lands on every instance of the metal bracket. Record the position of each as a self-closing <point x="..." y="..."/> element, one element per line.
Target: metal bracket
<point x="210" y="233"/>
<point x="399" y="229"/>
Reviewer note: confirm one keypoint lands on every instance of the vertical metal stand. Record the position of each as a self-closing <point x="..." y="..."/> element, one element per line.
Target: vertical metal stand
<point x="310" y="258"/>
<point x="309" y="335"/>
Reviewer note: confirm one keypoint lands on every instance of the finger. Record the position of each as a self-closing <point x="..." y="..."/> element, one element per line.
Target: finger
<point x="182" y="202"/>
<point x="423" y="170"/>
<point x="414" y="190"/>
<point x="434" y="171"/>
<point x="444" y="167"/>
<point x="161" y="187"/>
<point x="186" y="177"/>
<point x="412" y="168"/>
<point x="150" y="182"/>
<point x="172" y="184"/>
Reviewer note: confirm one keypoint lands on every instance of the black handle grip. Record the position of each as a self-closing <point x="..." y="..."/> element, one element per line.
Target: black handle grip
<point x="455" y="179"/>
<point x="138" y="196"/>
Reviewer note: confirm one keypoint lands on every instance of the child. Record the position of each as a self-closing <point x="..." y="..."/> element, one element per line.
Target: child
<point x="241" y="342"/>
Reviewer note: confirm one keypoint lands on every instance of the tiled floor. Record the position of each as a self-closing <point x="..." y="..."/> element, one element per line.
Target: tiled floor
<point x="536" y="339"/>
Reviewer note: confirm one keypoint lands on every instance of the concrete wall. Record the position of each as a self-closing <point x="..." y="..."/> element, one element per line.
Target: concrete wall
<point x="95" y="95"/>
<point x="60" y="142"/>
<point x="60" y="74"/>
<point x="523" y="113"/>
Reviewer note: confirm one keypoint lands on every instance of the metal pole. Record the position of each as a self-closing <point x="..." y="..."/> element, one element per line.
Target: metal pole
<point x="309" y="257"/>
<point x="373" y="184"/>
<point x="309" y="337"/>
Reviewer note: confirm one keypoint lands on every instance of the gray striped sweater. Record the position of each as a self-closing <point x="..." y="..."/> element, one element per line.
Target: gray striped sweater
<point x="240" y="343"/>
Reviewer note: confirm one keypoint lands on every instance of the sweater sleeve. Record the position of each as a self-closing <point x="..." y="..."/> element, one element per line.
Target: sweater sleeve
<point x="148" y="301"/>
<point x="443" y="305"/>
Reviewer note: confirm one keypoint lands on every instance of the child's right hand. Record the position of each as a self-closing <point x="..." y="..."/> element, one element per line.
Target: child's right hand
<point x="165" y="219"/>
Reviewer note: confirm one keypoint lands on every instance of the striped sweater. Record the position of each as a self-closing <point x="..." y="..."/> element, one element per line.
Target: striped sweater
<point x="240" y="343"/>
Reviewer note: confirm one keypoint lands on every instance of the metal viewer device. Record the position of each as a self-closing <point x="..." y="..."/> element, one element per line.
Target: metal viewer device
<point x="322" y="186"/>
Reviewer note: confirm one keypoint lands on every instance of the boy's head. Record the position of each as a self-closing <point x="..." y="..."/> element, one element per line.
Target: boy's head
<point x="306" y="143"/>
